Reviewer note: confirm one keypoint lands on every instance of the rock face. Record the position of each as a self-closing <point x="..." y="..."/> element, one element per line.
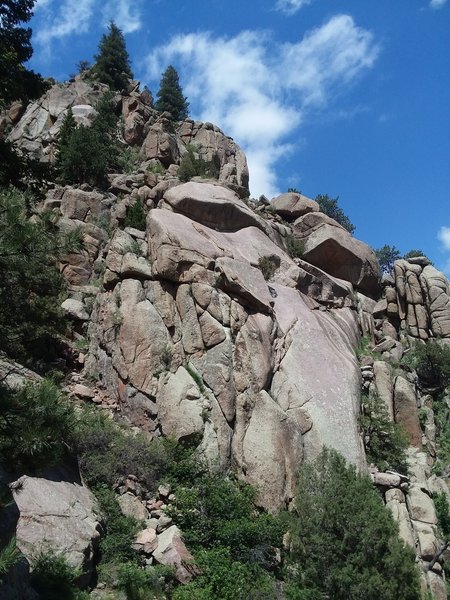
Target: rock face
<point x="291" y="206"/>
<point x="58" y="516"/>
<point x="331" y="247"/>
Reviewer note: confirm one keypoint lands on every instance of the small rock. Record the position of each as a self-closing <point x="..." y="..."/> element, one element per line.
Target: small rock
<point x="146" y="541"/>
<point x="163" y="523"/>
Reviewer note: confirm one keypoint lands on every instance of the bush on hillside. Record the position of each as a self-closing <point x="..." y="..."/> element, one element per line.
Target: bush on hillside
<point x="36" y="425"/>
<point x="344" y="542"/>
<point x="330" y="207"/>
<point x="385" y="441"/>
<point x="193" y="165"/>
<point x="432" y="363"/>
<point x="136" y="216"/>
<point x="31" y="286"/>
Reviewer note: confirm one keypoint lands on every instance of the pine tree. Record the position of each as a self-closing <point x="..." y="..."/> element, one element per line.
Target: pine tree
<point x="170" y="96"/>
<point x="17" y="82"/>
<point x="67" y="127"/>
<point x="112" y="61"/>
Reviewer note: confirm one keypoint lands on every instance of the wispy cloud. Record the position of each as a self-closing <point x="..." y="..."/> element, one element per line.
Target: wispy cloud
<point x="259" y="91"/>
<point x="76" y="17"/>
<point x="72" y="16"/>
<point x="436" y="4"/>
<point x="444" y="237"/>
<point x="125" y="13"/>
<point x="290" y="7"/>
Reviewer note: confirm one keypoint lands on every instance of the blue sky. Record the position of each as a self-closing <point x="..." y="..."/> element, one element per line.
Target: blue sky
<point x="349" y="98"/>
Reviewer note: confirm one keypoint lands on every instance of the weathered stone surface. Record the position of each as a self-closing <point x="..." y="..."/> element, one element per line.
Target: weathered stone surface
<point x="213" y="205"/>
<point x="330" y="396"/>
<point x="145" y="541"/>
<point x="75" y="309"/>
<point x="291" y="205"/>
<point x="401" y="515"/>
<point x="384" y="385"/>
<point x="171" y="551"/>
<point x="428" y="544"/>
<point x="420" y="505"/>
<point x="214" y="145"/>
<point x="180" y="405"/>
<point x="405" y="410"/>
<point x="438" y="296"/>
<point x="389" y="480"/>
<point x="143" y="337"/>
<point x="131" y="506"/>
<point x="161" y="145"/>
<point x="271" y="452"/>
<point x="331" y="248"/>
<point x="79" y="205"/>
<point x="59" y="515"/>
<point x="245" y="281"/>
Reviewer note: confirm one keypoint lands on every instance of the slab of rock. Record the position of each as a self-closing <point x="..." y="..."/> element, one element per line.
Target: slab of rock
<point x="405" y="410"/>
<point x="131" y="506"/>
<point x="146" y="541"/>
<point x="331" y="248"/>
<point x="292" y="205"/>
<point x="420" y="505"/>
<point x="171" y="551"/>
<point x="245" y="281"/>
<point x="59" y="516"/>
<point x="75" y="309"/>
<point x="213" y="205"/>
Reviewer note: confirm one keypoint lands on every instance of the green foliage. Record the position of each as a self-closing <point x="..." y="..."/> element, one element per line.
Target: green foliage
<point x="330" y="207"/>
<point x="36" y="424"/>
<point x="345" y="543"/>
<point x="53" y="579"/>
<point x="193" y="165"/>
<point x="67" y="127"/>
<point x="128" y="159"/>
<point x="432" y="363"/>
<point x="443" y="513"/>
<point x="19" y="170"/>
<point x="215" y="512"/>
<point x="227" y="579"/>
<point x="295" y="247"/>
<point x="170" y="96"/>
<point x="115" y="545"/>
<point x="136" y="216"/>
<point x="414" y="253"/>
<point x="267" y="267"/>
<point x="107" y="452"/>
<point x="9" y="555"/>
<point x="156" y="167"/>
<point x="294" y="190"/>
<point x="86" y="153"/>
<point x="31" y="286"/>
<point x="112" y="64"/>
<point x="387" y="255"/>
<point x="384" y="440"/>
<point x="196" y="377"/>
<point x="17" y="82"/>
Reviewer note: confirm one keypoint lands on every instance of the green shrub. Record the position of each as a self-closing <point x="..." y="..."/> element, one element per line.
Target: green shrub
<point x="295" y="247"/>
<point x="227" y="579"/>
<point x="267" y="267"/>
<point x="193" y="165"/>
<point x="387" y="255"/>
<point x="9" y="556"/>
<point x="443" y="513"/>
<point x="128" y="159"/>
<point x="330" y="207"/>
<point x="196" y="377"/>
<point x="344" y="542"/>
<point x="107" y="452"/>
<point x="115" y="545"/>
<point x="36" y="425"/>
<point x="53" y="579"/>
<point x="136" y="216"/>
<point x="385" y="441"/>
<point x="432" y="363"/>
<point x="31" y="286"/>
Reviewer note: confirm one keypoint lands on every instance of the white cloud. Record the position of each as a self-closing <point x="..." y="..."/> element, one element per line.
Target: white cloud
<point x="259" y="91"/>
<point x="437" y="3"/>
<point x="126" y="16"/>
<point x="76" y="16"/>
<point x="290" y="7"/>
<point x="444" y="237"/>
<point x="72" y="16"/>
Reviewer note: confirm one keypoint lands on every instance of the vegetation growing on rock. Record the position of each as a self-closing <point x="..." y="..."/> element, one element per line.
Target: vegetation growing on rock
<point x="112" y="63"/>
<point x="170" y="96"/>
<point x="330" y="207"/>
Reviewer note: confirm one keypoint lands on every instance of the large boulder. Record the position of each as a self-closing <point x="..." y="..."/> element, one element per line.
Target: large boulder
<point x="292" y="205"/>
<point x="57" y="515"/>
<point x="331" y="247"/>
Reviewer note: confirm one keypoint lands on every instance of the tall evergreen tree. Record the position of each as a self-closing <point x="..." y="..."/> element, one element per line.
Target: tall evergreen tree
<point x="112" y="61"/>
<point x="170" y="96"/>
<point x="17" y="82"/>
